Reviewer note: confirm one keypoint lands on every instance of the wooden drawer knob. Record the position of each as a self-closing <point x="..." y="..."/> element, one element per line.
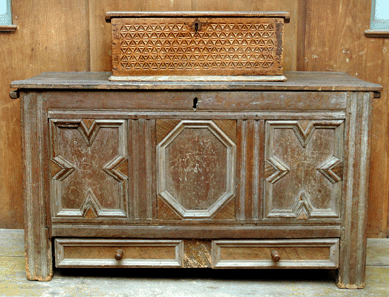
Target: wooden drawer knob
<point x="119" y="254"/>
<point x="275" y="256"/>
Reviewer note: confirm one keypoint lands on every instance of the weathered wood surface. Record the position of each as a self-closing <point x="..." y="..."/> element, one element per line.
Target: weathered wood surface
<point x="310" y="45"/>
<point x="37" y="239"/>
<point x="196" y="168"/>
<point x="303" y="169"/>
<point x="195" y="14"/>
<point x="351" y="272"/>
<point x="89" y="168"/>
<point x="133" y="104"/>
<point x="305" y="253"/>
<point x="193" y="230"/>
<point x="297" y="81"/>
<point x="326" y="47"/>
<point x="53" y="43"/>
<point x="102" y="252"/>
<point x="200" y="165"/>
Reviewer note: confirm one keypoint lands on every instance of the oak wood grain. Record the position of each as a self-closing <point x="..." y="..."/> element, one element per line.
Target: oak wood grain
<point x="320" y="253"/>
<point x="57" y="44"/>
<point x="53" y="43"/>
<point x="135" y="253"/>
<point x="326" y="48"/>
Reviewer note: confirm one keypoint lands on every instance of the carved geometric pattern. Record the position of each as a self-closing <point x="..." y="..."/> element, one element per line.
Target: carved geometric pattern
<point x="177" y="46"/>
<point x="117" y="168"/>
<point x="94" y="182"/>
<point x="228" y="127"/>
<point x="165" y="212"/>
<point x="91" y="204"/>
<point x="212" y="148"/>
<point x="303" y="207"/>
<point x="275" y="169"/>
<point x="164" y="127"/>
<point x="90" y="208"/>
<point x="304" y="134"/>
<point x="61" y="168"/>
<point x="332" y="169"/>
<point x="313" y="151"/>
<point x="227" y="212"/>
<point x="89" y="129"/>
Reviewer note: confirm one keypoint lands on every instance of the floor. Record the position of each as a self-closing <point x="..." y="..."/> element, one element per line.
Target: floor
<point x="184" y="282"/>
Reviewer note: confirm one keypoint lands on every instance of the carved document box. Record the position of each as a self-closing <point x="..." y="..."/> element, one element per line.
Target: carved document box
<point x="190" y="175"/>
<point x="173" y="45"/>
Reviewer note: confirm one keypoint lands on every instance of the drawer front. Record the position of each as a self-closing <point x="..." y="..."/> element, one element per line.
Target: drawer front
<point x="118" y="253"/>
<point x="317" y="253"/>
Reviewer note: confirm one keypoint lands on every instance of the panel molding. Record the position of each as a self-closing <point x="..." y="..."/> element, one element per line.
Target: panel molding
<point x="62" y="261"/>
<point x="276" y="169"/>
<point x="230" y="169"/>
<point x="62" y="169"/>
<point x="250" y="169"/>
<point x="266" y="246"/>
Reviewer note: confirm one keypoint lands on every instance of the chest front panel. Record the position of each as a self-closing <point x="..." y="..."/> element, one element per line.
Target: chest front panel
<point x="225" y="168"/>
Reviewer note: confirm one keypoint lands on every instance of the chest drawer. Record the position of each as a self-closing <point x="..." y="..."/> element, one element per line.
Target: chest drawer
<point x="118" y="253"/>
<point x="308" y="253"/>
<point x="286" y="253"/>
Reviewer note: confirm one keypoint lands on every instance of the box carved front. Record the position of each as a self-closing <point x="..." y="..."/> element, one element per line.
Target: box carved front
<point x="154" y="45"/>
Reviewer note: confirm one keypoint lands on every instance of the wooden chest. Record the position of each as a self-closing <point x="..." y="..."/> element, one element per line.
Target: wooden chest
<point x="188" y="175"/>
<point x="210" y="45"/>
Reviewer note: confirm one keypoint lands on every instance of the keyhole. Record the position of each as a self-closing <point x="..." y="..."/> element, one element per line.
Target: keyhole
<point x="195" y="101"/>
<point x="197" y="26"/>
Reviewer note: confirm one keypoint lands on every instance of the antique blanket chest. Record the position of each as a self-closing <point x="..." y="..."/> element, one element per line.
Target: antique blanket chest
<point x="199" y="174"/>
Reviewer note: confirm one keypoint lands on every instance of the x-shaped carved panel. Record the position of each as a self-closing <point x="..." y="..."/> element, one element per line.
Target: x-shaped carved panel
<point x="88" y="160"/>
<point x="318" y="149"/>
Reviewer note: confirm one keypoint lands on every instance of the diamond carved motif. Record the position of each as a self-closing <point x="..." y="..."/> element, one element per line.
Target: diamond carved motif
<point x="178" y="46"/>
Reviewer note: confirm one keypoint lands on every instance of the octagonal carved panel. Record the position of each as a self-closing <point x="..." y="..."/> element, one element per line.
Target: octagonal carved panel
<point x="196" y="168"/>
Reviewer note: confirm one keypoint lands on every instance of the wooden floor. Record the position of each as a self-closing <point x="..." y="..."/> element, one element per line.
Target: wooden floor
<point x="184" y="282"/>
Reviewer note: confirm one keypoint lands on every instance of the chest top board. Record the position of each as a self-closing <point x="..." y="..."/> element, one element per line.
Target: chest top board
<point x="196" y="174"/>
